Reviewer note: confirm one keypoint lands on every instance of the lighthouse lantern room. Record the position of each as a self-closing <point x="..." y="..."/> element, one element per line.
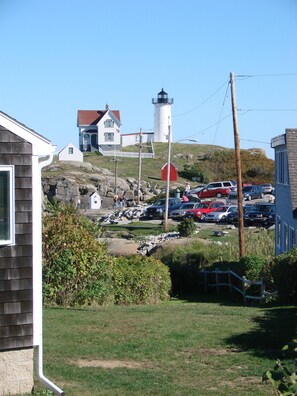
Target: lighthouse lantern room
<point x="162" y="117"/>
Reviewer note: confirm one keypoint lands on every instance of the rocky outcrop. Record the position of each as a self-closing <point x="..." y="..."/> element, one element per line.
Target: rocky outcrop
<point x="76" y="182"/>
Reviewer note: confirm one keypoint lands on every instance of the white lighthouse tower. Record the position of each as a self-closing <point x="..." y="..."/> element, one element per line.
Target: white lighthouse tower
<point x="162" y="117"/>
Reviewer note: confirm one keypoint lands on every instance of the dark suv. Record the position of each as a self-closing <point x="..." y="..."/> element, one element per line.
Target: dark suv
<point x="262" y="215"/>
<point x="157" y="210"/>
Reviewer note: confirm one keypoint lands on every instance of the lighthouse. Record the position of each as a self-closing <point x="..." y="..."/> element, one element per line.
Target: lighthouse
<point x="162" y="117"/>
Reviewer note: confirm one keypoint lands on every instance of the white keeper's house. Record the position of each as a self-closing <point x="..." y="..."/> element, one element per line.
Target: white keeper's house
<point x="99" y="130"/>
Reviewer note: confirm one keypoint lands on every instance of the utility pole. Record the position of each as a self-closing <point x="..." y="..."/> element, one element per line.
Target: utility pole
<point x="238" y="168"/>
<point x="167" y="178"/>
<point x="116" y="165"/>
<point x="139" y="167"/>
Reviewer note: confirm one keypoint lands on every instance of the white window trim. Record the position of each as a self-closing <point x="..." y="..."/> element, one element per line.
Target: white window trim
<point x="278" y="231"/>
<point x="10" y="170"/>
<point x="292" y="241"/>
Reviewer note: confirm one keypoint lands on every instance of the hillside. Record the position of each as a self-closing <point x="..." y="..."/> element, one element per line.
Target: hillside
<point x="216" y="163"/>
<point x="211" y="163"/>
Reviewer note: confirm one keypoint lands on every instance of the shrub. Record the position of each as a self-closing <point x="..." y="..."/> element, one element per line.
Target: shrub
<point x="283" y="375"/>
<point x="77" y="269"/>
<point x="252" y="267"/>
<point x="184" y="264"/>
<point x="284" y="273"/>
<point x="140" y="280"/>
<point x="187" y="227"/>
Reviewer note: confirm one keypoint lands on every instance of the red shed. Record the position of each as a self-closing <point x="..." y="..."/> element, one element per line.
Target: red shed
<point x="173" y="172"/>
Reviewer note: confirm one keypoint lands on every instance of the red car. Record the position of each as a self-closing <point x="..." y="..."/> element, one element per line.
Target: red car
<point x="212" y="193"/>
<point x="204" y="207"/>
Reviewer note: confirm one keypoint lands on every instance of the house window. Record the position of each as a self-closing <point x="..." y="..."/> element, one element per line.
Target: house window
<point x="282" y="173"/>
<point x="292" y="238"/>
<point x="70" y="150"/>
<point x="6" y="205"/>
<point x="285" y="241"/>
<point x="109" y="137"/>
<point x="108" y="123"/>
<point x="278" y="231"/>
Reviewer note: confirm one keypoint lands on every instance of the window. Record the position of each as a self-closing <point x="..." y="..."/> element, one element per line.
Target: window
<point x="281" y="166"/>
<point x="109" y="137"/>
<point x="70" y="150"/>
<point x="108" y="123"/>
<point x="285" y="241"/>
<point x="291" y="238"/>
<point x="278" y="231"/>
<point x="6" y="205"/>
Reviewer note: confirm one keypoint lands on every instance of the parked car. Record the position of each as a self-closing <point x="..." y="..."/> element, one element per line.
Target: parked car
<point x="262" y="215"/>
<point x="220" y="214"/>
<point x="214" y="192"/>
<point x="222" y="184"/>
<point x="248" y="193"/>
<point x="232" y="217"/>
<point x="157" y="209"/>
<point x="267" y="188"/>
<point x="178" y="214"/>
<point x="252" y="192"/>
<point x="196" y="189"/>
<point x="203" y="208"/>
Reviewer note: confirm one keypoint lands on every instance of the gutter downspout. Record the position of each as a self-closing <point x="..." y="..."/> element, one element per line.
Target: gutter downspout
<point x="37" y="270"/>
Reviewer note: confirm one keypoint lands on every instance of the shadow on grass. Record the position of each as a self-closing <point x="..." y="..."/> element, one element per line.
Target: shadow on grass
<point x="272" y="330"/>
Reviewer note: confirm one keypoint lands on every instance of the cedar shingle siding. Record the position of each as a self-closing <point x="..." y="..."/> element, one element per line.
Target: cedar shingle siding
<point x="16" y="294"/>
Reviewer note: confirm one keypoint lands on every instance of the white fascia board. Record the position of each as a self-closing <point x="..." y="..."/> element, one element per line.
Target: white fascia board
<point x="114" y="118"/>
<point x="40" y="145"/>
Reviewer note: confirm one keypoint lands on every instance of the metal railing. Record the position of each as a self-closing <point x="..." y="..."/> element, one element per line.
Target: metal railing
<point x="117" y="153"/>
<point x="218" y="279"/>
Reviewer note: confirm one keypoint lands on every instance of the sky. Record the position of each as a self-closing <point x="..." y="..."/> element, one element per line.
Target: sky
<point x="61" y="56"/>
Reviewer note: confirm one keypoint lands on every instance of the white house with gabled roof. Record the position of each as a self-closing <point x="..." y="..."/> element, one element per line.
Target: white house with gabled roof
<point x="99" y="130"/>
<point x="70" y="153"/>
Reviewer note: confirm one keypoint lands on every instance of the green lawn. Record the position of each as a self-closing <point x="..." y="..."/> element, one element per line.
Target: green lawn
<point x="183" y="347"/>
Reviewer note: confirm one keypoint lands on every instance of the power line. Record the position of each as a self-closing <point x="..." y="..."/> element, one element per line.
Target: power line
<point x="254" y="141"/>
<point x="202" y="103"/>
<point x="246" y="110"/>
<point x="205" y="129"/>
<point x="265" y="75"/>
<point x="223" y="104"/>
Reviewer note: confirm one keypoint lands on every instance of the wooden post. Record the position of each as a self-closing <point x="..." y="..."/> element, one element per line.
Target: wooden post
<point x="230" y="281"/>
<point x="167" y="178"/>
<point x="244" y="288"/>
<point x="205" y="280"/>
<point x="139" y="167"/>
<point x="238" y="169"/>
<point x="217" y="279"/>
<point x="116" y="162"/>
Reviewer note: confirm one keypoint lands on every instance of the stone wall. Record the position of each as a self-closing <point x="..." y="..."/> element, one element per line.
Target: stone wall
<point x="16" y="372"/>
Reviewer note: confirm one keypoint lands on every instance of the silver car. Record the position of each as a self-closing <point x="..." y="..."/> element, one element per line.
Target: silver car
<point x="220" y="214"/>
<point x="179" y="213"/>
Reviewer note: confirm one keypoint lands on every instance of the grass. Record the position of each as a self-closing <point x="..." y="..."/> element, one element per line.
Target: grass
<point x="128" y="167"/>
<point x="138" y="229"/>
<point x="258" y="241"/>
<point x="184" y="347"/>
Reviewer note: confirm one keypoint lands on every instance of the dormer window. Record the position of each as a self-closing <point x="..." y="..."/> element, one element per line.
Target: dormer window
<point x="108" y="123"/>
<point x="6" y="205"/>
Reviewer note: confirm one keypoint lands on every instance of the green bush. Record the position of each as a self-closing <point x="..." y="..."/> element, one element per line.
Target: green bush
<point x="252" y="267"/>
<point x="77" y="269"/>
<point x="140" y="280"/>
<point x="186" y="227"/>
<point x="184" y="264"/>
<point x="284" y="272"/>
<point x="283" y="375"/>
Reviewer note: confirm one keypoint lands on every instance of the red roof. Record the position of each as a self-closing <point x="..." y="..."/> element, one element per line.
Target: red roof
<point x="92" y="117"/>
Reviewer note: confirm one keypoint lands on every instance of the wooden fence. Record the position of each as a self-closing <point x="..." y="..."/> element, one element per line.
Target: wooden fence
<point x="218" y="279"/>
